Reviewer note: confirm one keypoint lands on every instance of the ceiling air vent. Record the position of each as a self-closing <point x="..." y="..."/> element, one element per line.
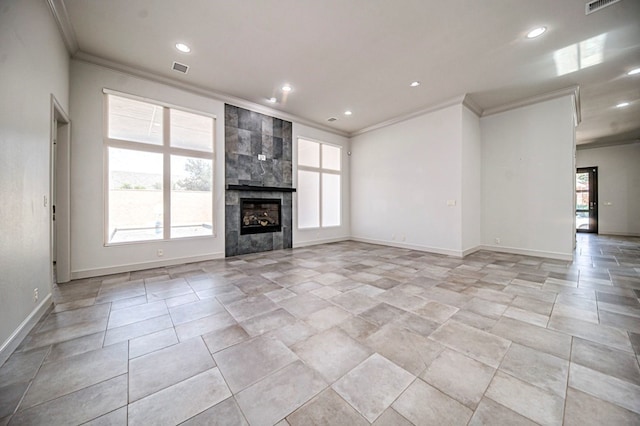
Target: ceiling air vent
<point x="177" y="66"/>
<point x="595" y="5"/>
<point x="332" y="119"/>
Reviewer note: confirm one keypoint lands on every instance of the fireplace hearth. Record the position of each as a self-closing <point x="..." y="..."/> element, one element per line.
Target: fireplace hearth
<point x="260" y="215"/>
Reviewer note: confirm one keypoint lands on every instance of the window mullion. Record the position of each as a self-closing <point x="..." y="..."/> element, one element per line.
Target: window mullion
<point x="166" y="185"/>
<point x="190" y="153"/>
<point x="136" y="146"/>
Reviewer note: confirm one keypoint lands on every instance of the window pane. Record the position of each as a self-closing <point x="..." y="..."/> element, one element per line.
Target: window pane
<point x="582" y="220"/>
<point x="582" y="201"/>
<point x="330" y="157"/>
<point x="330" y="200"/>
<point x="308" y="153"/>
<point x="582" y="181"/>
<point x="191" y="197"/>
<point x="135" y="196"/>
<point x="134" y="120"/>
<point x="191" y="131"/>
<point x="308" y="199"/>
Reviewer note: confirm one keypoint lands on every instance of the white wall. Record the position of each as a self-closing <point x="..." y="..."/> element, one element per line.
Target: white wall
<point x="304" y="237"/>
<point x="618" y="186"/>
<point x="34" y="64"/>
<point x="471" y="181"/>
<point x="89" y="256"/>
<point x="402" y="176"/>
<point x="528" y="179"/>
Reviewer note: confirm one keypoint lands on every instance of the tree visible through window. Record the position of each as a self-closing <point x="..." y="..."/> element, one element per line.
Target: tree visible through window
<point x="199" y="176"/>
<point x="160" y="178"/>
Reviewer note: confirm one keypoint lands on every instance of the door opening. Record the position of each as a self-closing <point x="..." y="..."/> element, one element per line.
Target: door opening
<point x="60" y="237"/>
<point x="587" y="199"/>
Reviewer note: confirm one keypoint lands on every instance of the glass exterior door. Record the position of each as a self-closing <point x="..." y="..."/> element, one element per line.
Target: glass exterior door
<point x="587" y="199"/>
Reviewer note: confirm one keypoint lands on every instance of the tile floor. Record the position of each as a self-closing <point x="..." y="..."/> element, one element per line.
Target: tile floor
<point x="344" y="333"/>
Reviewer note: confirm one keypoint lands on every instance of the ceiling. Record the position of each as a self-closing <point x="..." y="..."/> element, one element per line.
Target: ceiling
<point x="361" y="55"/>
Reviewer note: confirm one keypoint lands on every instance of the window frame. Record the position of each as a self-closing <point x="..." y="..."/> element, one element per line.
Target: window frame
<point x="167" y="151"/>
<point x="320" y="170"/>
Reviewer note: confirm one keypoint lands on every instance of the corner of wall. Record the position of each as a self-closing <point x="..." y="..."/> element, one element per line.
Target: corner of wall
<point x="19" y="334"/>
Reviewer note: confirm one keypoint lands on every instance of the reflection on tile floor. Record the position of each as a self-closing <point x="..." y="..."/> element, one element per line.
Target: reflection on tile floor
<point x="343" y="333"/>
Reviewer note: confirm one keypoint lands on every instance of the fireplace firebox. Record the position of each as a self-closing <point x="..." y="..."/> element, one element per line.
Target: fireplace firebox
<point x="259" y="215"/>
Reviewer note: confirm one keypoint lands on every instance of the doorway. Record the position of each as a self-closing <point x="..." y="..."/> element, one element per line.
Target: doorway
<point x="60" y="156"/>
<point x="587" y="199"/>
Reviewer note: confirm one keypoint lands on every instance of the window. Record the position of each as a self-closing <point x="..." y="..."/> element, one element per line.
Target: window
<point x="159" y="171"/>
<point x="319" y="189"/>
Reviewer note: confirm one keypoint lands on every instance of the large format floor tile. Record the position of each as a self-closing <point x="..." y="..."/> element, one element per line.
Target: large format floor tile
<point x="181" y="401"/>
<point x="424" y="404"/>
<point x="459" y="376"/>
<point x="79" y="406"/>
<point x="372" y="386"/>
<point x="155" y="371"/>
<point x="226" y="413"/>
<point x="537" y="368"/>
<point x="341" y="333"/>
<point x="279" y="394"/>
<point x="528" y="400"/>
<point x="246" y="363"/>
<point x="583" y="409"/>
<point x="328" y="408"/>
<point x="477" y="344"/>
<point x="77" y="372"/>
<point x="331" y="353"/>
<point x="605" y="387"/>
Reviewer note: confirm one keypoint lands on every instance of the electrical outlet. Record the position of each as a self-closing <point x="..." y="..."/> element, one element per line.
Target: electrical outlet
<point x="497" y="240"/>
<point x="262" y="157"/>
<point x="160" y="253"/>
<point x="35" y="295"/>
<point x="403" y="238"/>
<point x="393" y="236"/>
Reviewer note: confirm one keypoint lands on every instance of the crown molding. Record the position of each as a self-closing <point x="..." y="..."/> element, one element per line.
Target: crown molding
<point x="81" y="56"/>
<point x="606" y="144"/>
<point x="472" y="105"/>
<point x="576" y="105"/>
<point x="573" y="91"/>
<point x="61" y="16"/>
<point x="458" y="100"/>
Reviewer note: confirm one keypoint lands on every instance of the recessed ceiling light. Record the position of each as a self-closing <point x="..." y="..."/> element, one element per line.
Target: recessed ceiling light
<point x="348" y="112"/>
<point x="183" y="47"/>
<point x="634" y="71"/>
<point x="415" y="84"/>
<point x="536" y="32"/>
<point x="622" y="104"/>
<point x="286" y="88"/>
<point x="272" y="100"/>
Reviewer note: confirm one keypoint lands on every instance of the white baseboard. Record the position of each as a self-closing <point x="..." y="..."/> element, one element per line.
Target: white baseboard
<point x="322" y="241"/>
<point x="436" y="250"/>
<point x="98" y="272"/>
<point x="471" y="250"/>
<point x="23" y="329"/>
<point x="619" y="234"/>
<point x="527" y="252"/>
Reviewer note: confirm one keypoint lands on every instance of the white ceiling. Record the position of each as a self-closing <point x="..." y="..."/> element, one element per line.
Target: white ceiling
<point x="361" y="55"/>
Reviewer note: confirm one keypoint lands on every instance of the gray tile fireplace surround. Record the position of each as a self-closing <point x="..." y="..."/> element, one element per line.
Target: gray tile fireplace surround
<point x="248" y="134"/>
